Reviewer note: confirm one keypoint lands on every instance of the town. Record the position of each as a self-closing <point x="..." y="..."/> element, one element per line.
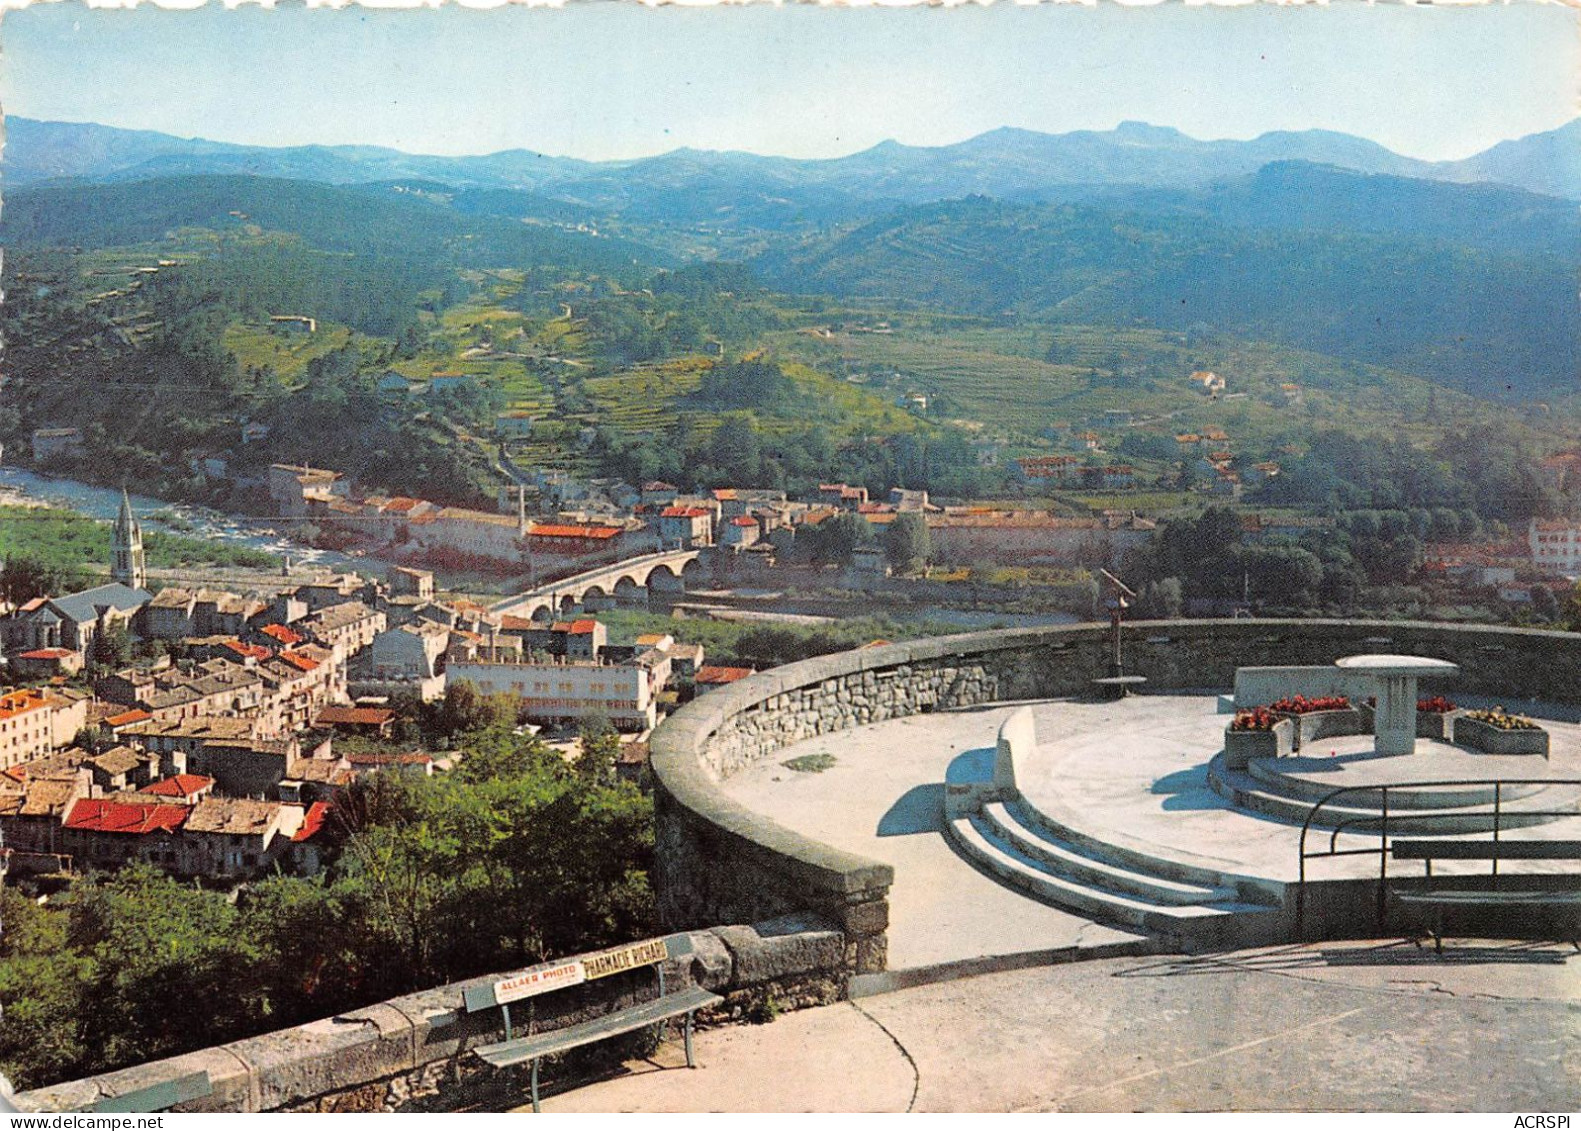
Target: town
<point x="1044" y="538"/>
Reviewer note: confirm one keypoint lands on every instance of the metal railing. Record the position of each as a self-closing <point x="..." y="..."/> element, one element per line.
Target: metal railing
<point x="1380" y="822"/>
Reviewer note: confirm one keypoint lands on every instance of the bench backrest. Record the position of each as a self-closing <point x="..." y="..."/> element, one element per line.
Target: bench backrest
<point x="570" y="972"/>
<point x="1486" y="849"/>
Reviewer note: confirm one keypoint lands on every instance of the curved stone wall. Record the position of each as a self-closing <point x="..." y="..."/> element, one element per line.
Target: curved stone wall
<point x="718" y="862"/>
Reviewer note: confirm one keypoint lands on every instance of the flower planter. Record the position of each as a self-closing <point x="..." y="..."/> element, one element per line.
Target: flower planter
<point x="1241" y="746"/>
<point x="1478" y="735"/>
<point x="1368" y="716"/>
<point x="1314" y="726"/>
<point x="1437" y="724"/>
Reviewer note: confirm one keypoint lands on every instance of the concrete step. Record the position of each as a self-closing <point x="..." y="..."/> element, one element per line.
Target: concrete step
<point x="1060" y="857"/>
<point x="974" y="837"/>
<point x="1247" y="888"/>
<point x="1275" y="776"/>
<point x="1253" y="795"/>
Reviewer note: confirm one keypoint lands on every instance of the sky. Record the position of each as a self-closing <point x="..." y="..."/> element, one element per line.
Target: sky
<point x="615" y="80"/>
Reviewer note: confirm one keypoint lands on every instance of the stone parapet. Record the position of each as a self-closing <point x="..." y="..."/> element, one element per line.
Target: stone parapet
<point x="412" y="1053"/>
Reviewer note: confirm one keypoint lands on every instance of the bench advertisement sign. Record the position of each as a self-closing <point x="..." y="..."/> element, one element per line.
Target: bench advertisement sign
<point x="609" y="962"/>
<point x="539" y="980"/>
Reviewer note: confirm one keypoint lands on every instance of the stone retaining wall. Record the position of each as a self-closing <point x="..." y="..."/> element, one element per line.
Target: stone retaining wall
<point x="718" y="861"/>
<point x="412" y="1053"/>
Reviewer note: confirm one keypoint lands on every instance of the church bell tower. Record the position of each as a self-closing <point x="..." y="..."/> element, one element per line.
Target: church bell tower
<point x="126" y="548"/>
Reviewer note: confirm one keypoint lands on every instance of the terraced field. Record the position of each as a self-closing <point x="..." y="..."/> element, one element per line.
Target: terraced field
<point x="997" y="379"/>
<point x="642" y="399"/>
<point x="287" y="353"/>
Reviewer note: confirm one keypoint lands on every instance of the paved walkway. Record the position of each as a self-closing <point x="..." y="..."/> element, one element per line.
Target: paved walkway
<point x="1342" y="1027"/>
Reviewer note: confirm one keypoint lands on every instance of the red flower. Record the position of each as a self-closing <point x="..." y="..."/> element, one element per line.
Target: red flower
<point x="1301" y="705"/>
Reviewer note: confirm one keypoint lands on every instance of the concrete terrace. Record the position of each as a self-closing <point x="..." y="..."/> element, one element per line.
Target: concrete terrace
<point x="1131" y="773"/>
<point x="883" y="798"/>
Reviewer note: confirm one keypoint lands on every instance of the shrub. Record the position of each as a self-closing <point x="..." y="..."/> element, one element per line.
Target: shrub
<point x="1301" y="705"/>
<point x="1504" y="721"/>
<point x="1257" y="718"/>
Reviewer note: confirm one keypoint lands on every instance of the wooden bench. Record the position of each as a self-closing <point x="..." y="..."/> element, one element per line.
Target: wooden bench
<point x="533" y="1047"/>
<point x="1493" y="851"/>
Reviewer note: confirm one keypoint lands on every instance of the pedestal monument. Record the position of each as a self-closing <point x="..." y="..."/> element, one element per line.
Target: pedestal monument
<point x="1394" y="718"/>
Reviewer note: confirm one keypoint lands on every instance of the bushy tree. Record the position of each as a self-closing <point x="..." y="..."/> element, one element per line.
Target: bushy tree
<point x="835" y="539"/>
<point x="1160" y="600"/>
<point x="906" y="543"/>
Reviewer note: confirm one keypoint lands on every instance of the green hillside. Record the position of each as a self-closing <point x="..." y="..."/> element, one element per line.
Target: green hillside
<point x="1493" y="324"/>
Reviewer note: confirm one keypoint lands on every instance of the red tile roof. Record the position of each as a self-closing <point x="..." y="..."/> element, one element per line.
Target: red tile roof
<point x="252" y="651"/>
<point x="46" y="654"/>
<point x="354" y="716"/>
<point x="684" y="512"/>
<point x="312" y="821"/>
<point x="556" y="530"/>
<point x="743" y="521"/>
<point x="20" y="702"/>
<point x="284" y="635"/>
<point x="99" y="815"/>
<point x="711" y="674"/>
<point x="301" y="662"/>
<point x="182" y="785"/>
<point x="127" y="718"/>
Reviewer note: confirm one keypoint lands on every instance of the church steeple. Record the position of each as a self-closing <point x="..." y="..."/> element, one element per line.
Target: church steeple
<point x="126" y="548"/>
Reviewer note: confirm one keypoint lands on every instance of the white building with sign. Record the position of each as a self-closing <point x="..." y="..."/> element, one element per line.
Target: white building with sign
<point x="571" y="691"/>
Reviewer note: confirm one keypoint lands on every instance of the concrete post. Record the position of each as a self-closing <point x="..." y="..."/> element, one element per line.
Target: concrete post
<point x="1394" y="725"/>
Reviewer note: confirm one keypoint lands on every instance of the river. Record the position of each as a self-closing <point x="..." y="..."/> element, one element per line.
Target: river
<point x="20" y="485"/>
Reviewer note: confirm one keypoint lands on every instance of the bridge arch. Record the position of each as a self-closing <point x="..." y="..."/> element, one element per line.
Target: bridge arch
<point x="629" y="591"/>
<point x="664" y="578"/>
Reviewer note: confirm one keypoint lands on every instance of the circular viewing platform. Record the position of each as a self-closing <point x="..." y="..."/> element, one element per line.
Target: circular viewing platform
<point x="1127" y="816"/>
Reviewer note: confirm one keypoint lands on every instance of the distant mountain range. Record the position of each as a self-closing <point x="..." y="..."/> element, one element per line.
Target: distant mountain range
<point x="704" y="185"/>
<point x="1317" y="240"/>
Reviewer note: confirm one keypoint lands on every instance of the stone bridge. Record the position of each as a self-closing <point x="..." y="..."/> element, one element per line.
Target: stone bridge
<point x="667" y="571"/>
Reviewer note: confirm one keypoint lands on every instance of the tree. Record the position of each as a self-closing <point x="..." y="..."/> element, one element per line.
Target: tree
<point x="1281" y="575"/>
<point x="836" y="538"/>
<point x="465" y="708"/>
<point x="24" y="577"/>
<point x="1160" y="600"/>
<point x="906" y="544"/>
<point x="598" y="757"/>
<point x="144" y="933"/>
<point x="735" y="448"/>
<point x="112" y="647"/>
<point x="42" y="985"/>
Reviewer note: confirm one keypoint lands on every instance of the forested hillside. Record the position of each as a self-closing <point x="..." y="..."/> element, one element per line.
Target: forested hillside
<point x="1490" y="323"/>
